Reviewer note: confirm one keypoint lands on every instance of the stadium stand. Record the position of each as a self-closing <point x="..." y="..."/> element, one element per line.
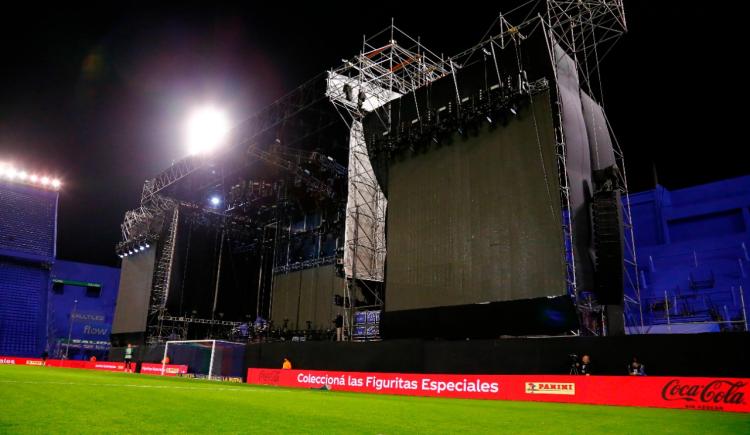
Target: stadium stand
<point x="28" y="221"/>
<point x="693" y="256"/>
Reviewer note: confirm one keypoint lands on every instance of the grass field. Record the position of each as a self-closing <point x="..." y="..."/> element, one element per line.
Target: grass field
<point x="55" y="400"/>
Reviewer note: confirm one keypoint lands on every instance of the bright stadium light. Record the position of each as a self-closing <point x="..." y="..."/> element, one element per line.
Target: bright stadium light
<point x="215" y="201"/>
<point x="207" y="128"/>
<point x="19" y="175"/>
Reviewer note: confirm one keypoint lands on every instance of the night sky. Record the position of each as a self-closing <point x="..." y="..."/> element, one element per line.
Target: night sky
<point x="98" y="96"/>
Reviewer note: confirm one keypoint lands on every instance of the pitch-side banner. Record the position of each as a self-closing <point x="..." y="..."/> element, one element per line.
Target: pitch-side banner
<point x="71" y="364"/>
<point x="146" y="368"/>
<point x="169" y="369"/>
<point x="716" y="394"/>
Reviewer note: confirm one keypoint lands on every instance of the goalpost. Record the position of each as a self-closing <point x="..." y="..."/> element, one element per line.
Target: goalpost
<point x="223" y="358"/>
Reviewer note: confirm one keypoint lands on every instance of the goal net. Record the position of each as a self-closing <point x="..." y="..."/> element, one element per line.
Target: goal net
<point x="209" y="359"/>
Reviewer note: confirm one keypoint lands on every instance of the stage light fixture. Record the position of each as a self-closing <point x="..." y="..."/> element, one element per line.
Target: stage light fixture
<point x="34" y="178"/>
<point x="207" y="128"/>
<point x="215" y="201"/>
<point x="56" y="183"/>
<point x="142" y="248"/>
<point x="45" y="181"/>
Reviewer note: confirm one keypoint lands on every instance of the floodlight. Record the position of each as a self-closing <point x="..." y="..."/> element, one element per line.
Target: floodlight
<point x="207" y="128"/>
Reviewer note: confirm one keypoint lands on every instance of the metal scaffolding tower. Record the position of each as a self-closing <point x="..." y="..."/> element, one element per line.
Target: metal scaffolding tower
<point x="587" y="30"/>
<point x="380" y="73"/>
<point x="158" y="332"/>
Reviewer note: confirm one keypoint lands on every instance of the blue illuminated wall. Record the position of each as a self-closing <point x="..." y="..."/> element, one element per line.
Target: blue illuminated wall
<point x="92" y="313"/>
<point x="28" y="225"/>
<point x="28" y="222"/>
<point x="693" y="254"/>
<point x="35" y="315"/>
<point x="23" y="289"/>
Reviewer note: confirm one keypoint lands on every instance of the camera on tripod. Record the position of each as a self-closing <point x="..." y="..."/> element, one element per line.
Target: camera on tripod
<point x="573" y="364"/>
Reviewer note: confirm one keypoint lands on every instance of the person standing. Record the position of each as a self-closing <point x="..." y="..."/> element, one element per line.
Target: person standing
<point x="287" y="365"/>
<point x="585" y="365"/>
<point x="129" y="358"/>
<point x="636" y="368"/>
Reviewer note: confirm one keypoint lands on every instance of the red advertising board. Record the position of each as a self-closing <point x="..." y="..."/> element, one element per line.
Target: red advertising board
<point x="73" y="364"/>
<point x="169" y="369"/>
<point x="720" y="394"/>
<point x="147" y="368"/>
<point x="11" y="360"/>
<point x="89" y="365"/>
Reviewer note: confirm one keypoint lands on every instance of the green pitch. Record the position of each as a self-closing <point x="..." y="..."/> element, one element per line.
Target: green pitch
<point x="54" y="400"/>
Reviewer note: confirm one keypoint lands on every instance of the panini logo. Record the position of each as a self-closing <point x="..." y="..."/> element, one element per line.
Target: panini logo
<point x="561" y="388"/>
<point x="33" y="362"/>
<point x="172" y="370"/>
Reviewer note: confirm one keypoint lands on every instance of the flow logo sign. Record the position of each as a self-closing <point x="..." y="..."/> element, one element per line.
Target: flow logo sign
<point x="560" y="388"/>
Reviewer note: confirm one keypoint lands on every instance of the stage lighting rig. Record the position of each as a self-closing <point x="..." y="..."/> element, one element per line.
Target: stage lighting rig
<point x="135" y="246"/>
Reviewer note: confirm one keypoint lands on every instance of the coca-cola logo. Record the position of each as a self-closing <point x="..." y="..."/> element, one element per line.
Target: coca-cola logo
<point x="717" y="391"/>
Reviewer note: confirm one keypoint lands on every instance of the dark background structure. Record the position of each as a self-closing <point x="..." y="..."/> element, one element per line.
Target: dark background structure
<point x="98" y="94"/>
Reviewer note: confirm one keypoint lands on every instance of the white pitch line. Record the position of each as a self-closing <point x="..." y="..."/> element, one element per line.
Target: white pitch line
<point x="174" y="387"/>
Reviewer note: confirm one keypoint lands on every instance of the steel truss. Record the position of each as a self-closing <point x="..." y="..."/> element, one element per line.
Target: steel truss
<point x="145" y="223"/>
<point x="161" y="282"/>
<point x="244" y="134"/>
<point x="587" y="30"/>
<point x="380" y="73"/>
<point x="383" y="71"/>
